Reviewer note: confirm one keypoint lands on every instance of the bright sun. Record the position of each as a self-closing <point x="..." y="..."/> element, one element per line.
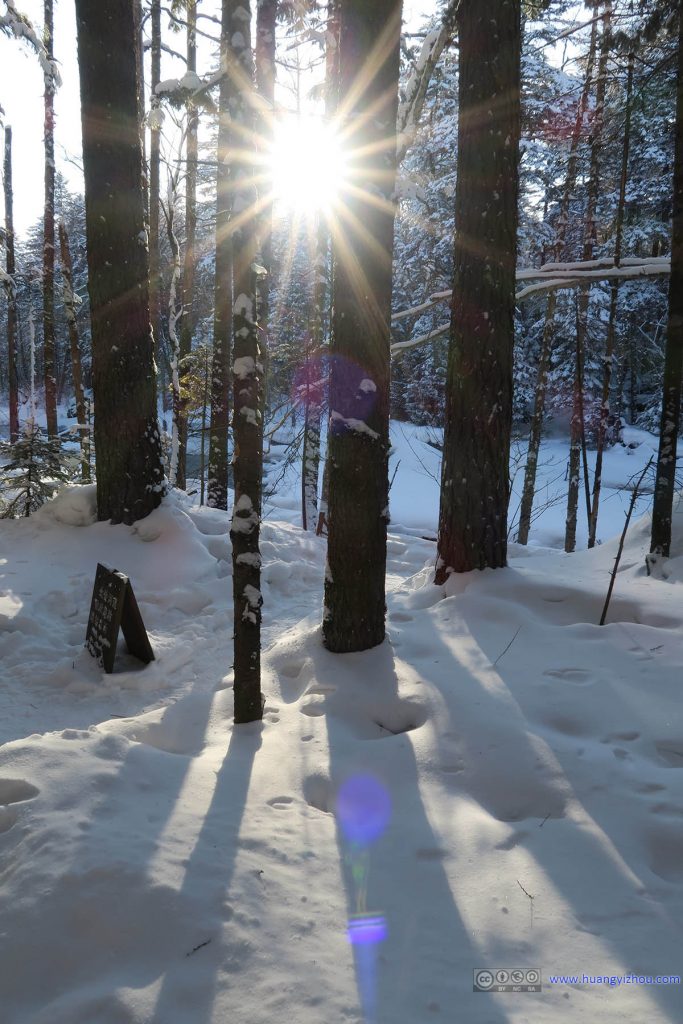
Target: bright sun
<point x="307" y="165"/>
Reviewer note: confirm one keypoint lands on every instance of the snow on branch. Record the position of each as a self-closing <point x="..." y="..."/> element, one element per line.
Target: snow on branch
<point x="549" y="277"/>
<point x="415" y="90"/>
<point x="14" y="23"/>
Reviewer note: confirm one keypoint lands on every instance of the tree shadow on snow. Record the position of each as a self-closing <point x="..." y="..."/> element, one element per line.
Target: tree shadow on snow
<point x="413" y="953"/>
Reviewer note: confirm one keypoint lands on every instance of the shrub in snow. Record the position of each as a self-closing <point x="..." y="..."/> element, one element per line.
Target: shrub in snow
<point x="34" y="468"/>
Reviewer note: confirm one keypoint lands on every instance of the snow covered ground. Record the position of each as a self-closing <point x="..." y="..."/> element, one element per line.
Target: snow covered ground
<point x="499" y="785"/>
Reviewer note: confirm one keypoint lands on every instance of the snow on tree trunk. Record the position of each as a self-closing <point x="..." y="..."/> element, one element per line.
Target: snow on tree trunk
<point x="217" y="487"/>
<point x="414" y="92"/>
<point x="69" y="300"/>
<point x="660" y="542"/>
<point x="529" y="487"/>
<point x="247" y="379"/>
<point x="187" y="326"/>
<point x="49" y="237"/>
<point x="611" y="325"/>
<point x="359" y="382"/>
<point x="10" y="286"/>
<point x="475" y="472"/>
<point x="127" y="445"/>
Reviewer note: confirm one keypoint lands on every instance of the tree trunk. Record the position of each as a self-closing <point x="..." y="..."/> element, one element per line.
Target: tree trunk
<point x="49" y="237"/>
<point x="360" y="358"/>
<point x="529" y="488"/>
<point x="68" y="299"/>
<point x="611" y="326"/>
<point x="476" y="466"/>
<point x="11" y="292"/>
<point x="662" y="510"/>
<point x="154" y="179"/>
<point x="577" y="431"/>
<point x="127" y="446"/>
<point x="247" y="382"/>
<point x="217" y="489"/>
<point x="187" y="325"/>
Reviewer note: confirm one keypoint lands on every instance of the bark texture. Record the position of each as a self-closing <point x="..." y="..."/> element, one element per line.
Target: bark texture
<point x="127" y="445"/>
<point x="247" y="377"/>
<point x="665" y="483"/>
<point x="359" y="384"/>
<point x="475" y="474"/>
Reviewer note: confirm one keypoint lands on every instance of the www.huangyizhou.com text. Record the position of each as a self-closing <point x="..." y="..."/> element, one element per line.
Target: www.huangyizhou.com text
<point x="614" y="980"/>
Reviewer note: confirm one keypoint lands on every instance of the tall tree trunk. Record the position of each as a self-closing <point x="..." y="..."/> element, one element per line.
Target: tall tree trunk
<point x="154" y="179"/>
<point x="217" y="488"/>
<point x="611" y="325"/>
<point x="247" y="380"/>
<point x="529" y="487"/>
<point x="314" y="395"/>
<point x="577" y="429"/>
<point x="476" y="466"/>
<point x="49" y="236"/>
<point x="127" y="445"/>
<point x="68" y="298"/>
<point x="11" y="291"/>
<point x="187" y="325"/>
<point x="662" y="510"/>
<point x="359" y="385"/>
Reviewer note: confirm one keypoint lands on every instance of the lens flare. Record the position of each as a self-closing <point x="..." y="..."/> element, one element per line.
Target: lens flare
<point x="307" y="165"/>
<point x="363" y="809"/>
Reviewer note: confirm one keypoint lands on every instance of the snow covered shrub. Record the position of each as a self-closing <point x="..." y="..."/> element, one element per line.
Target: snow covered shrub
<point x="33" y="469"/>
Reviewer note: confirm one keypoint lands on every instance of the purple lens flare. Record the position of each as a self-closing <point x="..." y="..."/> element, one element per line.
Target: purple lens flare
<point x="363" y="809"/>
<point x="366" y="929"/>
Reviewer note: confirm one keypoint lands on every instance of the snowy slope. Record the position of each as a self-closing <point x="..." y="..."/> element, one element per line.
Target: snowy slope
<point x="158" y="865"/>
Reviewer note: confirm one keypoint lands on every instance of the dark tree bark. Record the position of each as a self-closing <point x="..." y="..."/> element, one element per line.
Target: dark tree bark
<point x="70" y="311"/>
<point x="11" y="292"/>
<point x="247" y="376"/>
<point x="187" y="324"/>
<point x="154" y="179"/>
<point x="662" y="510"/>
<point x="476" y="466"/>
<point x="217" y="486"/>
<point x="359" y="385"/>
<point x="49" y="236"/>
<point x="127" y="445"/>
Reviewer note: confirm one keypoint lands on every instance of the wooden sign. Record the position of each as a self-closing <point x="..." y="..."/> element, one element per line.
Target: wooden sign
<point x="114" y="607"/>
